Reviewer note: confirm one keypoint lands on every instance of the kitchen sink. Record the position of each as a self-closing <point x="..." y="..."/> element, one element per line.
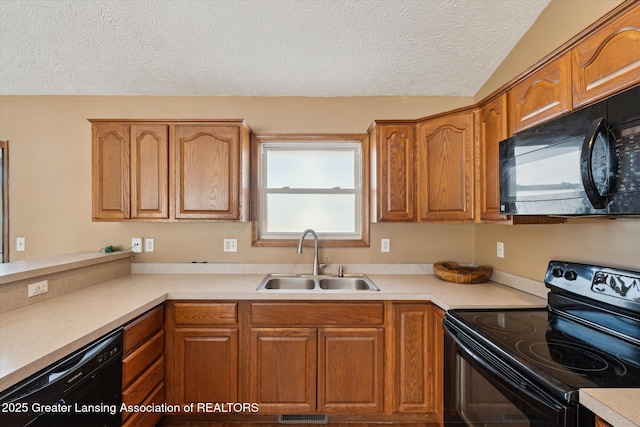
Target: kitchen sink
<point x="322" y="283"/>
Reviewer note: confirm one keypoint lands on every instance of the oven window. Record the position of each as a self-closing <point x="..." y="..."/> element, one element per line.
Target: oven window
<point x="479" y="403"/>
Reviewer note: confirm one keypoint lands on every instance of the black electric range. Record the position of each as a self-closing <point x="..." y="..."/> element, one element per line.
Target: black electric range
<point x="588" y="336"/>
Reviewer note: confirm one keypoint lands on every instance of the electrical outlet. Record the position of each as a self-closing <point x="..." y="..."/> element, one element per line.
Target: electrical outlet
<point x="38" y="288"/>
<point x="20" y="244"/>
<point x="149" y="245"/>
<point x="136" y="244"/>
<point x="500" y="250"/>
<point x="385" y="245"/>
<point x="231" y="245"/>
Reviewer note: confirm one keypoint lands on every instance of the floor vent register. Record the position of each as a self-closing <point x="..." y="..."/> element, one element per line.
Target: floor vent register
<point x="303" y="419"/>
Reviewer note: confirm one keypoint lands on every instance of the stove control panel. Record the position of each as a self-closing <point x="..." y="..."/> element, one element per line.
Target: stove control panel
<point x="609" y="285"/>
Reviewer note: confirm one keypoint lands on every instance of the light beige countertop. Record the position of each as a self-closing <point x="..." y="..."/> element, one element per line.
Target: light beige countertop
<point x="617" y="406"/>
<point x="34" y="336"/>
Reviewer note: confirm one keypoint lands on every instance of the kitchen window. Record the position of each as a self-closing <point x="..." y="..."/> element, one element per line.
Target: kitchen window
<point x="310" y="181"/>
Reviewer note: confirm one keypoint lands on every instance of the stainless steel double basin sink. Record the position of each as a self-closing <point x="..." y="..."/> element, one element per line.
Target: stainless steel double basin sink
<point x="320" y="283"/>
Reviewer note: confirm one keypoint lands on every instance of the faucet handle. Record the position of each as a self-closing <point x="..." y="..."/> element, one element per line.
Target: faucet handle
<point x="341" y="271"/>
<point x="324" y="264"/>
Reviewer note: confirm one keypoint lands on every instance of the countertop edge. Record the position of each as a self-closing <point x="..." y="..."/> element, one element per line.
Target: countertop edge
<point x="28" y="269"/>
<point x="604" y="403"/>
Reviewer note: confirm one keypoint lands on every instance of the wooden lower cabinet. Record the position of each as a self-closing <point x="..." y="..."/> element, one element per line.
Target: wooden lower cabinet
<point x="412" y="356"/>
<point x="283" y="369"/>
<point x="202" y="352"/>
<point x="355" y="361"/>
<point x="143" y="366"/>
<point x="350" y="370"/>
<point x="332" y="363"/>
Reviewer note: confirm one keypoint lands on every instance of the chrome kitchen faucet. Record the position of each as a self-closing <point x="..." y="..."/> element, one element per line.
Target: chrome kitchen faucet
<point x="316" y="266"/>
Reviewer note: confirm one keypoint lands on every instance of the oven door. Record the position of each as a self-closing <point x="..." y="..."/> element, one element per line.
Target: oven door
<point x="482" y="391"/>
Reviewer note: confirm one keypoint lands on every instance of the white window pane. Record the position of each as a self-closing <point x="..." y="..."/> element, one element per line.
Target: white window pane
<point x="310" y="168"/>
<point x="293" y="213"/>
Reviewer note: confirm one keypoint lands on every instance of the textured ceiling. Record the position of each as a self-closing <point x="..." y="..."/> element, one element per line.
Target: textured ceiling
<point x="257" y="47"/>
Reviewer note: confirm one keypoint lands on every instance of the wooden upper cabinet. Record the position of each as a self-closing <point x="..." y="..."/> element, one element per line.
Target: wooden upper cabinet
<point x="110" y="171"/>
<point x="392" y="167"/>
<point x="150" y="171"/>
<point x="207" y="172"/>
<point x="130" y="171"/>
<point x="170" y="170"/>
<point x="492" y="128"/>
<point x="542" y="95"/>
<point x="445" y="167"/>
<point x="608" y="60"/>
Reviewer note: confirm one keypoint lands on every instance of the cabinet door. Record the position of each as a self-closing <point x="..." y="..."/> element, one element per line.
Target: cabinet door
<point x="445" y="168"/>
<point x="541" y="96"/>
<point x="492" y="130"/>
<point x="438" y="362"/>
<point x="608" y="60"/>
<point x="204" y="365"/>
<point x="350" y="370"/>
<point x="283" y="369"/>
<point x="393" y="180"/>
<point x="110" y="176"/>
<point x="150" y="171"/>
<point x="413" y="358"/>
<point x="207" y="164"/>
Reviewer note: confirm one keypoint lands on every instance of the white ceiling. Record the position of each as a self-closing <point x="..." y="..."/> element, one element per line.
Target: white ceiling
<point x="257" y="47"/>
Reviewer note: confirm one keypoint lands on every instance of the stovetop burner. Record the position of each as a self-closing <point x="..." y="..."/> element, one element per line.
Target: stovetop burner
<point x="564" y="354"/>
<point x="572" y="358"/>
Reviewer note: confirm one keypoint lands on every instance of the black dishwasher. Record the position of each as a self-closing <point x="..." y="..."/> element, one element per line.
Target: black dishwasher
<point x="83" y="390"/>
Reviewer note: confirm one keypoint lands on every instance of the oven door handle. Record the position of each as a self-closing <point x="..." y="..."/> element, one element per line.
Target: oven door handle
<point x="494" y="366"/>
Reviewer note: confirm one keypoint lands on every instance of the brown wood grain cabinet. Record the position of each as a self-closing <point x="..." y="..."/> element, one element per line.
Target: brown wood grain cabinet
<point x="608" y="60"/>
<point x="143" y="366"/>
<point x="202" y="352"/>
<point x="208" y="171"/>
<point x="492" y="128"/>
<point x="418" y="360"/>
<point x="150" y="171"/>
<point x="170" y="170"/>
<point x="283" y="369"/>
<point x="350" y="370"/>
<point x="392" y="146"/>
<point x="602" y="423"/>
<point x="317" y="357"/>
<point x="542" y="95"/>
<point x="110" y="169"/>
<point x="413" y="356"/>
<point x="445" y="167"/>
<point x="130" y="171"/>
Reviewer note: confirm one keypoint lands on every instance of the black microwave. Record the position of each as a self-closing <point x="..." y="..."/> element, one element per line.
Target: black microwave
<point x="584" y="163"/>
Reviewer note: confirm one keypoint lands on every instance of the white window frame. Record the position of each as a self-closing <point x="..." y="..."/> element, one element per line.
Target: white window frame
<point x="357" y="143"/>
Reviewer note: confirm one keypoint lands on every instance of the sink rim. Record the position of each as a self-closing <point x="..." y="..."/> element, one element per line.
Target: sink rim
<point x="263" y="286"/>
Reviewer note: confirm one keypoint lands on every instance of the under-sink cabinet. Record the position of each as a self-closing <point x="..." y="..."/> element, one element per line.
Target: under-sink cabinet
<point x="317" y="357"/>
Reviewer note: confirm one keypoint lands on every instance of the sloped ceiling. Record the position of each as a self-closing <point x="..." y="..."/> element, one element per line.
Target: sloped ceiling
<point x="257" y="47"/>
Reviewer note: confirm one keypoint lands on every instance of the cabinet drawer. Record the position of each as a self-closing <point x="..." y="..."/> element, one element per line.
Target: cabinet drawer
<point x="205" y="313"/>
<point x="317" y="314"/>
<point x="145" y="419"/>
<point x="144" y="385"/>
<point x="142" y="328"/>
<point x="136" y="362"/>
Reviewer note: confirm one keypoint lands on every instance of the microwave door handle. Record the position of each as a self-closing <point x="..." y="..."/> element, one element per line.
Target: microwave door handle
<point x="586" y="168"/>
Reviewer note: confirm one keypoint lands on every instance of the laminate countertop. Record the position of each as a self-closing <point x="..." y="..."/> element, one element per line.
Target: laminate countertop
<point x="34" y="336"/>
